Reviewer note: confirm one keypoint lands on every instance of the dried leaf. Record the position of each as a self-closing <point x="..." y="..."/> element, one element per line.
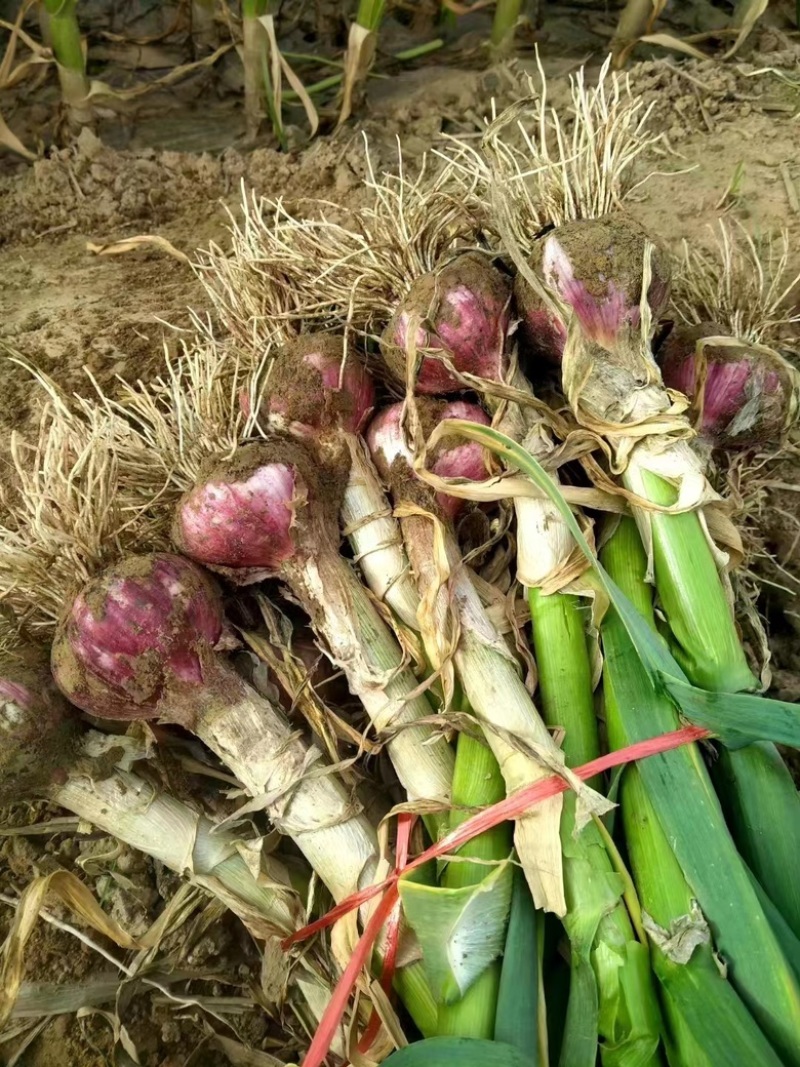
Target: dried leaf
<point x="17" y="33"/>
<point x="637" y="19"/>
<point x="37" y="999"/>
<point x="358" y="59"/>
<point x="22" y="70"/>
<point x="391" y="1036"/>
<point x="666" y="40"/>
<point x="10" y="140"/>
<point x="268" y="22"/>
<point x="131" y="244"/>
<point x="72" y="892"/>
<point x="683" y="937"/>
<point x="242" y="1056"/>
<point x="98" y="88"/>
<point x="121" y="1035"/>
<point x="746" y="15"/>
<point x="344" y="938"/>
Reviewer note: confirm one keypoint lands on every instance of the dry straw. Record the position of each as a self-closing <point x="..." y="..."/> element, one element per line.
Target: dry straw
<point x="546" y="167"/>
<point x="65" y="517"/>
<point x="286" y="269"/>
<point x="741" y="282"/>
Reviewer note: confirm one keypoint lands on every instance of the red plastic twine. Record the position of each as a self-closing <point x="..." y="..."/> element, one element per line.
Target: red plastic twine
<point x="510" y="808"/>
<point x="405" y="824"/>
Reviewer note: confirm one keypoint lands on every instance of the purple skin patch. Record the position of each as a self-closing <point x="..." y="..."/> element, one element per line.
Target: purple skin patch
<point x="243" y="523"/>
<point x="147" y="632"/>
<point x="461" y="461"/>
<point x="387" y="443"/>
<point x="724" y="395"/>
<point x="600" y="318"/>
<point x="470" y="331"/>
<point x="547" y="332"/>
<point x="729" y="385"/>
<point x="354" y="382"/>
<point x="15" y="693"/>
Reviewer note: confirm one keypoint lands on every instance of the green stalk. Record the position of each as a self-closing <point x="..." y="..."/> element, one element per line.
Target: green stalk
<point x="413" y="989"/>
<point x="477" y="783"/>
<point x="708" y="1022"/>
<point x="602" y="939"/>
<point x="65" y="36"/>
<point x="619" y="993"/>
<point x="370" y="14"/>
<point x="474" y="1015"/>
<point x="565" y="674"/>
<point x="693" y="599"/>
<point x="755" y="787"/>
<point x="504" y="24"/>
<point x="678" y="788"/>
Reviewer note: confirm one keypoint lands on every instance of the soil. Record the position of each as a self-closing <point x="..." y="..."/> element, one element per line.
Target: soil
<point x="172" y="166"/>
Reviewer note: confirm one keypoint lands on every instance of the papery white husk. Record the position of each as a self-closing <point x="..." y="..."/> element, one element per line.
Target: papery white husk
<point x="544" y="544"/>
<point x="489" y="674"/>
<point x="377" y="672"/>
<point x="375" y="536"/>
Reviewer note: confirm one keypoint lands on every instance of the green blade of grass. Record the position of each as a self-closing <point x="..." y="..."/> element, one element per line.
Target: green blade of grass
<point x="518" y="1001"/>
<point x="458" y="1052"/>
<point x="737" y="718"/>
<point x="370" y="13"/>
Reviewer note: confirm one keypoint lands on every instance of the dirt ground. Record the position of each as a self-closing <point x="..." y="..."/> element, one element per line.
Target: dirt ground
<point x="731" y="134"/>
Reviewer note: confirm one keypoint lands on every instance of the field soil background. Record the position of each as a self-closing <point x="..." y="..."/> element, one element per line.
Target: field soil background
<point x="173" y="163"/>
